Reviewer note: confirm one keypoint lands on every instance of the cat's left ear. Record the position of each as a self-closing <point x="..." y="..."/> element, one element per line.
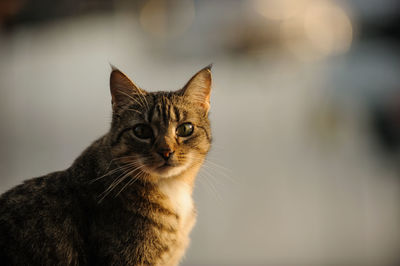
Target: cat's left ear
<point x="198" y="88"/>
<point x="123" y="90"/>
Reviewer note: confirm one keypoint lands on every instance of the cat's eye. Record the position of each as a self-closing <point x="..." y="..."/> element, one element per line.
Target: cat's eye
<point x="184" y="130"/>
<point x="143" y="131"/>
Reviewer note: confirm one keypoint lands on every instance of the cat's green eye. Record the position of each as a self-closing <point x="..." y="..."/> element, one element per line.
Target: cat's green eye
<point x="143" y="131"/>
<point x="184" y="130"/>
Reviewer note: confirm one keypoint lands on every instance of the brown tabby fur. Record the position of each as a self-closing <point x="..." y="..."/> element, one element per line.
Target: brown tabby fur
<point x="119" y="203"/>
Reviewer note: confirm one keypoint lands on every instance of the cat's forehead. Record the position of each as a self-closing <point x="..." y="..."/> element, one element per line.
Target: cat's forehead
<point x="161" y="108"/>
<point x="169" y="107"/>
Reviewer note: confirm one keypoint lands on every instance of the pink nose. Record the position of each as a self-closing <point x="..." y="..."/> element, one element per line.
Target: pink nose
<point x="166" y="154"/>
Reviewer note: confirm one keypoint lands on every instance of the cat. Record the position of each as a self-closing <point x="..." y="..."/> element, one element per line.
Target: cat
<point x="127" y="199"/>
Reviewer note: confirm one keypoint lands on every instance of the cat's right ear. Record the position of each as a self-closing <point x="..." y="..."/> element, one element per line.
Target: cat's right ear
<point x="123" y="90"/>
<point x="198" y="88"/>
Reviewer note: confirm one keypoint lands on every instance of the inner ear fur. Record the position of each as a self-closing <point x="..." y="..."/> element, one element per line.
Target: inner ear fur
<point x="123" y="90"/>
<point x="198" y="88"/>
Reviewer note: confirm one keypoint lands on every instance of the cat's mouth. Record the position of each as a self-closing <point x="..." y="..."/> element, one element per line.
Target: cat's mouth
<point x="166" y="166"/>
<point x="169" y="169"/>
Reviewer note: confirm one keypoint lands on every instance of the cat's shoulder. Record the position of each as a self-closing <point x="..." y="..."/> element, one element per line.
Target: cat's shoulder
<point x="36" y="189"/>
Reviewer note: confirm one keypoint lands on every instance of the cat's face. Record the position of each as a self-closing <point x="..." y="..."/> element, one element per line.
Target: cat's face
<point x="160" y="134"/>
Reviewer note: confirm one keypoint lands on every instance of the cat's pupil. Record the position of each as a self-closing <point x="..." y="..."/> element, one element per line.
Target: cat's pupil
<point x="143" y="131"/>
<point x="184" y="130"/>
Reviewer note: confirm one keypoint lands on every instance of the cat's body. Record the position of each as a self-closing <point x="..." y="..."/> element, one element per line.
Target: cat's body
<point x="127" y="199"/>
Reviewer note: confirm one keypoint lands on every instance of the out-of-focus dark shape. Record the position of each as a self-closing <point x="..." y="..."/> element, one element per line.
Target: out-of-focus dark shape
<point x="387" y="28"/>
<point x="385" y="122"/>
<point x="9" y="9"/>
<point x="16" y="12"/>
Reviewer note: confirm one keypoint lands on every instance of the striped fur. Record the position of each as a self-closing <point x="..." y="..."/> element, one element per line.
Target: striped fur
<point x="122" y="202"/>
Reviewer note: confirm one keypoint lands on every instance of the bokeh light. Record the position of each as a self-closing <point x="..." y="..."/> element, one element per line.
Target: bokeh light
<point x="167" y="19"/>
<point x="310" y="29"/>
<point x="328" y="28"/>
<point x="280" y="9"/>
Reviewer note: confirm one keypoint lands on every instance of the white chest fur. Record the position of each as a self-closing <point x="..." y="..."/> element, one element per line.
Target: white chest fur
<point x="180" y="196"/>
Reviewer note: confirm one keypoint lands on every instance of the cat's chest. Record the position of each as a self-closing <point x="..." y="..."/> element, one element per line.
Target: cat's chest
<point x="179" y="195"/>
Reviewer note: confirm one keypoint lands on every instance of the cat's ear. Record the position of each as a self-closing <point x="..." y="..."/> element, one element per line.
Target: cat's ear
<point x="198" y="88"/>
<point x="123" y="90"/>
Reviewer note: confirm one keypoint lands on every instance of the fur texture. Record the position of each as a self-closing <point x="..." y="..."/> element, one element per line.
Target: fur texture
<point x="127" y="199"/>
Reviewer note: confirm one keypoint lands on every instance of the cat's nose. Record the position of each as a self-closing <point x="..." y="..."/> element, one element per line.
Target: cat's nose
<point x="166" y="154"/>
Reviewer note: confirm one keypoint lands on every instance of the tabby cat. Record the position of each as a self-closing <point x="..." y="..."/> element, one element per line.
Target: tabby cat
<point x="127" y="199"/>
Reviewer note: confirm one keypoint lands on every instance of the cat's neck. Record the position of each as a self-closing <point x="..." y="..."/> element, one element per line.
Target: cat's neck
<point x="189" y="175"/>
<point x="95" y="160"/>
<point x="178" y="190"/>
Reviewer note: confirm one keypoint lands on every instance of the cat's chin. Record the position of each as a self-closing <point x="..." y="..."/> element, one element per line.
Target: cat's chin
<point x="169" y="171"/>
<point x="166" y="171"/>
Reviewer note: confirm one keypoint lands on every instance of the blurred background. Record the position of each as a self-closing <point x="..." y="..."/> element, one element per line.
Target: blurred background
<point x="305" y="111"/>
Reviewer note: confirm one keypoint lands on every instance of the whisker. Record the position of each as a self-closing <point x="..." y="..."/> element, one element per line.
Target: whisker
<point x="126" y="94"/>
<point x="118" y="180"/>
<point x="128" y="174"/>
<point x="140" y="98"/>
<point x="118" y="158"/>
<point x="127" y="169"/>
<point x="129" y="109"/>
<point x="144" y="99"/>
<point x="116" y="169"/>
<point x="221" y="170"/>
<point x="130" y="182"/>
<point x="213" y="189"/>
<point x="217" y="165"/>
<point x="112" y="185"/>
<point x="113" y="171"/>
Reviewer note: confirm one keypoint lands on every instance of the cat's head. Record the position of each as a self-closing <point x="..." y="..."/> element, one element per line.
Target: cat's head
<point x="160" y="134"/>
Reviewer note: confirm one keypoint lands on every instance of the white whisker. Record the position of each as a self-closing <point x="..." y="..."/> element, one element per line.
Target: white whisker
<point x="120" y="179"/>
<point x="133" y="110"/>
<point x="122" y="167"/>
<point x="132" y="98"/>
<point x="130" y="182"/>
